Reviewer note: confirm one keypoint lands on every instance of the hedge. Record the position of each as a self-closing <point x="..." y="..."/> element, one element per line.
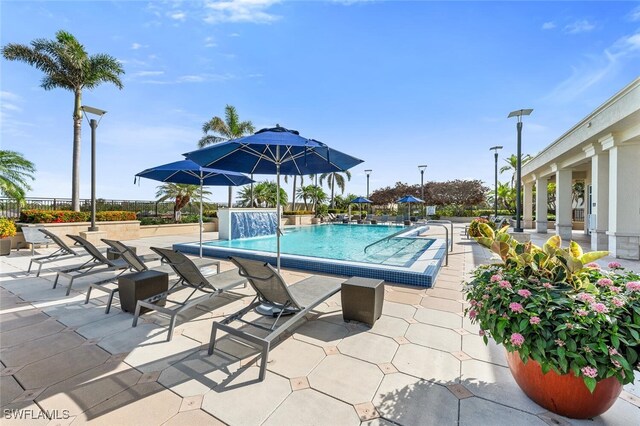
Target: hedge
<point x="297" y="212"/>
<point x="67" y="216"/>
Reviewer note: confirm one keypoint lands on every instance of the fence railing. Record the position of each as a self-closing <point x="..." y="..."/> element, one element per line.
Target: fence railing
<point x="11" y="208"/>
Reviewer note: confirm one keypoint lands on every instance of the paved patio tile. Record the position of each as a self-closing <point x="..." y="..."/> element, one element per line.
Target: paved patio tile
<point x="369" y="347"/>
<point x="9" y="390"/>
<point x="405" y="288"/>
<point x="193" y="417"/>
<point x="131" y="338"/>
<point x="199" y="373"/>
<point x="61" y="366"/>
<point x="398" y="310"/>
<point x="244" y="400"/>
<point x="403" y="297"/>
<point x="88" y="389"/>
<point x="22" y="318"/>
<point x="21" y="335"/>
<point x="442" y="304"/>
<point x="476" y="411"/>
<point x="495" y="383"/>
<point x="157" y="356"/>
<point x="147" y="403"/>
<point x="434" y="337"/>
<point x="321" y="333"/>
<point x="309" y="407"/>
<point x="293" y="358"/>
<point x="439" y="318"/>
<point x="347" y="379"/>
<point x="427" y="363"/>
<point x="116" y="322"/>
<point x="390" y="326"/>
<point x="38" y="349"/>
<point x="409" y="401"/>
<point x="79" y="314"/>
<point x="474" y="346"/>
<point x="445" y="293"/>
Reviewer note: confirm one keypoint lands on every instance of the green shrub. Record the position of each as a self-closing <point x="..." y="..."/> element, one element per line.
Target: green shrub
<point x="115" y="216"/>
<point x="68" y="216"/>
<point x="7" y="228"/>
<point x="297" y="212"/>
<point x="209" y="213"/>
<point x="474" y="226"/>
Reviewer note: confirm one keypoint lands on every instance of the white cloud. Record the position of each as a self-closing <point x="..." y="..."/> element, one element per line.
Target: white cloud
<point x="596" y="68"/>
<point x="577" y="27"/>
<point x="234" y="35"/>
<point x="201" y="78"/>
<point x="549" y="25"/>
<point x="634" y="15"/>
<point x="146" y="73"/>
<point x="178" y="16"/>
<point x="209" y="42"/>
<point x="9" y="102"/>
<point x="252" y="11"/>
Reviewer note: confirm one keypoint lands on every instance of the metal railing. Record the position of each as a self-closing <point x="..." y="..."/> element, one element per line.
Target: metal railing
<point x="388" y="237"/>
<point x="11" y="208"/>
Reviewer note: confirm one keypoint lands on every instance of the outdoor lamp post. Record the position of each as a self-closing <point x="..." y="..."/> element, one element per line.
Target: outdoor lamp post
<point x="495" y="182"/>
<point x="368" y="172"/>
<point x="519" y="113"/>
<point x="94" y="125"/>
<point x="422" y="168"/>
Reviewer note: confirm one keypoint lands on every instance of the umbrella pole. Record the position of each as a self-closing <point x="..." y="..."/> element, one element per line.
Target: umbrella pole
<point x="278" y="208"/>
<point x="201" y="217"/>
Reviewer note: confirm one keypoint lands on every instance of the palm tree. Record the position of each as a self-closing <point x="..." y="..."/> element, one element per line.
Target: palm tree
<point x="223" y="130"/>
<point x="333" y="179"/>
<point x="67" y="65"/>
<point x="294" y="191"/>
<point x="512" y="164"/>
<point x="507" y="196"/>
<point x="181" y="194"/>
<point x="15" y="170"/>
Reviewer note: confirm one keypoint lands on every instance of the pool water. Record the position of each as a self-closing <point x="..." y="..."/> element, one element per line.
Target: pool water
<point x="340" y="242"/>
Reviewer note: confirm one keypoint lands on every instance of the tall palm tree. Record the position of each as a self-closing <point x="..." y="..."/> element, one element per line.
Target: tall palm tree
<point x="67" y="65"/>
<point x="294" y="191"/>
<point x="15" y="171"/>
<point x="333" y="179"/>
<point x="223" y="130"/>
<point x="512" y="164"/>
<point x="181" y="194"/>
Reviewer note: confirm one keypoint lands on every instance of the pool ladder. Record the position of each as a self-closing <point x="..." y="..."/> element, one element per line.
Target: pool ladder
<point x="388" y="237"/>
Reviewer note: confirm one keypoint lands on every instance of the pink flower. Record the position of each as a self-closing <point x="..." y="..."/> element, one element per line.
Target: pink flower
<point x="516" y="307"/>
<point x="612" y="351"/>
<point x="473" y="314"/>
<point x="524" y="293"/>
<point x="617" y="302"/>
<point x="504" y="284"/>
<point x="547" y="285"/>
<point x="534" y="320"/>
<point x="599" y="307"/>
<point x="481" y="333"/>
<point x="615" y="289"/>
<point x="495" y="278"/>
<point x="593" y="265"/>
<point x="582" y="312"/>
<point x="616" y="363"/>
<point x="614" y="265"/>
<point x="517" y="339"/>
<point x="590" y="372"/>
<point x="633" y="286"/>
<point x="473" y="302"/>
<point x="491" y="311"/>
<point x="560" y="342"/>
<point x="605" y="282"/>
<point x="586" y="298"/>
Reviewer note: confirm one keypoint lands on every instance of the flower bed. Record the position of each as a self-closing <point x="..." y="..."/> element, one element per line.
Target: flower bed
<point x="68" y="216"/>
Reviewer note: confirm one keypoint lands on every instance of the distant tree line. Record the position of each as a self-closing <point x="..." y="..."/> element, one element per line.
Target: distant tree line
<point x="463" y="193"/>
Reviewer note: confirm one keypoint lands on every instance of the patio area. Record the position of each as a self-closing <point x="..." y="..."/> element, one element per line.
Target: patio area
<point x="64" y="362"/>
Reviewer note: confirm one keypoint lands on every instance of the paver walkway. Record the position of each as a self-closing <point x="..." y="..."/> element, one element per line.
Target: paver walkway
<point x="64" y="362"/>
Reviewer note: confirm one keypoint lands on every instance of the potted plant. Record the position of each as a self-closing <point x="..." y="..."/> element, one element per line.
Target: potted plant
<point x="571" y="329"/>
<point x="7" y="230"/>
<point x="321" y="211"/>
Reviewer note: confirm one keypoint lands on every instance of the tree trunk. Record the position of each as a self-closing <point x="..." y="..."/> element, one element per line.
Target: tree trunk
<point x="293" y="195"/>
<point x="333" y="184"/>
<point x="230" y="195"/>
<point x="75" y="162"/>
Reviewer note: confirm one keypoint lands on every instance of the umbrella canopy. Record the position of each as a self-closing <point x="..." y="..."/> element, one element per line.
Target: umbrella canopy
<point x="409" y="199"/>
<point x="190" y="173"/>
<point x="360" y="201"/>
<point x="274" y="151"/>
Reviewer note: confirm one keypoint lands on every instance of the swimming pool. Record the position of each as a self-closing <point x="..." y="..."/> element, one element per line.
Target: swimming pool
<point x="393" y="253"/>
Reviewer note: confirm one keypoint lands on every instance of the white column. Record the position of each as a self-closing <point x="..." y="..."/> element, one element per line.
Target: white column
<point x="541" y="205"/>
<point x="599" y="201"/>
<point x="527" y="207"/>
<point x="624" y="199"/>
<point x="563" y="204"/>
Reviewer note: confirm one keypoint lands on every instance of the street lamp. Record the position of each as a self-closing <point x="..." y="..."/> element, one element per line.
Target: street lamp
<point x="495" y="183"/>
<point x="519" y="113"/>
<point x="368" y="172"/>
<point x="94" y="125"/>
<point x="422" y="168"/>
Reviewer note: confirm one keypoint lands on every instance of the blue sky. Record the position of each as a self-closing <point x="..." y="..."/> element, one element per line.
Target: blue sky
<point x="397" y="84"/>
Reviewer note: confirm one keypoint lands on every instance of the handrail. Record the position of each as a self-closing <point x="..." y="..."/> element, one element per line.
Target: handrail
<point x="388" y="237"/>
<point x="444" y="221"/>
<point x="446" y="252"/>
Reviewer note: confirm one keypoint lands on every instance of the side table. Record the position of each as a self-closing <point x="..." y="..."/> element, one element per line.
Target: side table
<point x="362" y="299"/>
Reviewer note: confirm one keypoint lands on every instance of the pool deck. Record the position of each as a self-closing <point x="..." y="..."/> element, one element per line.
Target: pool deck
<point x="422" y="362"/>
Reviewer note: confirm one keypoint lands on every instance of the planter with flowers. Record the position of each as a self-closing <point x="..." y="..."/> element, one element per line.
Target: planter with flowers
<point x="7" y="230"/>
<point x="570" y="328"/>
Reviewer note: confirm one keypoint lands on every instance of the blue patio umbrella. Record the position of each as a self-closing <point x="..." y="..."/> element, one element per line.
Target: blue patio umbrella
<point x="274" y="151"/>
<point x="360" y="201"/>
<point x="190" y="173"/>
<point x="409" y="199"/>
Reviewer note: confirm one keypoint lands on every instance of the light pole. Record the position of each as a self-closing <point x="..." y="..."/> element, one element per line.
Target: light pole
<point x="368" y="172"/>
<point x="495" y="182"/>
<point x="94" y="125"/>
<point x="422" y="168"/>
<point x="519" y="113"/>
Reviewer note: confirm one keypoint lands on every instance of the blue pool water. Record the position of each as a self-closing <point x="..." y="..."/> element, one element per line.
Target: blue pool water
<point x="340" y="242"/>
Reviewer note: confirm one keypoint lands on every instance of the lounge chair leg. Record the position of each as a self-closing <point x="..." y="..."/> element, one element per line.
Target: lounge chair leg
<point x="86" y="299"/>
<point x="172" y="325"/>
<point x="69" y="286"/>
<point x="265" y="359"/>
<point x="110" y="301"/>
<point x="55" y="282"/>
<point x="136" y="315"/>
<point x="29" y="270"/>
<point x="212" y="341"/>
<point x="39" y="269"/>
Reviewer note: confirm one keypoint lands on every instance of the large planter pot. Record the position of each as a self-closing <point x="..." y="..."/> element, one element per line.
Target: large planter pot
<point x="5" y="246"/>
<point x="566" y="394"/>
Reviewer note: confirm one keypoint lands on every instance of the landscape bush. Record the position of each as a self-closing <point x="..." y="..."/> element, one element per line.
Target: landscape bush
<point x="68" y="216"/>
